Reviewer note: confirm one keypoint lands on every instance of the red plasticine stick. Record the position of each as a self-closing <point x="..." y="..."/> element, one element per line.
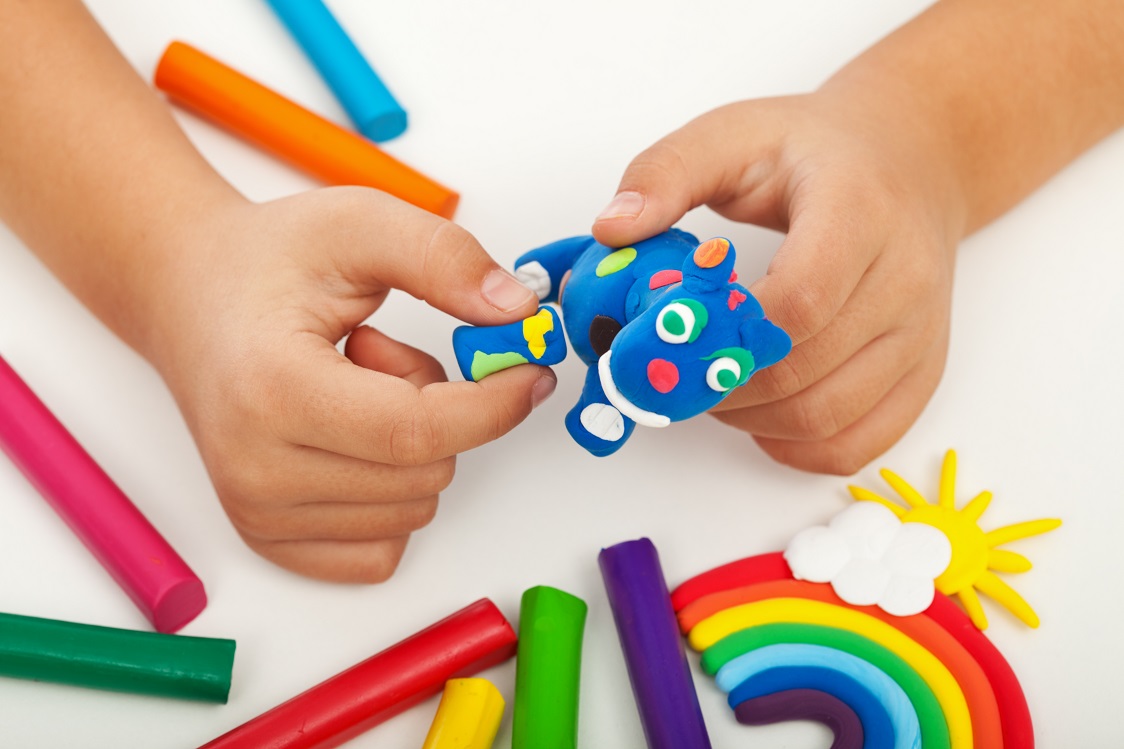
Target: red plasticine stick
<point x="356" y="700"/>
<point x="135" y="554"/>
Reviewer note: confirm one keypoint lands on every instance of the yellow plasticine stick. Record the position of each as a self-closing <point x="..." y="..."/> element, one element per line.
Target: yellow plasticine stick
<point x="468" y="717"/>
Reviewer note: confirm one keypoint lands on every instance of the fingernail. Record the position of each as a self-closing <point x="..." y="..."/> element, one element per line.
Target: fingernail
<point x="542" y="389"/>
<point x="627" y="204"/>
<point x="504" y="292"/>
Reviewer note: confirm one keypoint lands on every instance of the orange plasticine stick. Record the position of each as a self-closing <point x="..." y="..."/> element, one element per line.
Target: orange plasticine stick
<point x="301" y="137"/>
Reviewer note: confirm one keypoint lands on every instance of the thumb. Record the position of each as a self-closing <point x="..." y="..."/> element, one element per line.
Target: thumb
<point x="704" y="162"/>
<point x="397" y="245"/>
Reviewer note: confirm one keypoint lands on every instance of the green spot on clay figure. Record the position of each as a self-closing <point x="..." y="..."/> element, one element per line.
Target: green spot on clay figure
<point x="616" y="261"/>
<point x="486" y="364"/>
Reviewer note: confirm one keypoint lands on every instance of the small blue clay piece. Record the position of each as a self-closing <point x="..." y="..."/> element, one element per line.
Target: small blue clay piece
<point x="663" y="325"/>
<point x="536" y="340"/>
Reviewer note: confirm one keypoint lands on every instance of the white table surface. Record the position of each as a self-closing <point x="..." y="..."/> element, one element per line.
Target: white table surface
<point x="532" y="111"/>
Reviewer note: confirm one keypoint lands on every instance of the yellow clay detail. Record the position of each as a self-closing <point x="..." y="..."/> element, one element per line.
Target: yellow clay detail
<point x="468" y="717"/>
<point x="535" y="329"/>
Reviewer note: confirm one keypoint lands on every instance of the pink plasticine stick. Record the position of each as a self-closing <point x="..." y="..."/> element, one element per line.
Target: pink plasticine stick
<point x="135" y="554"/>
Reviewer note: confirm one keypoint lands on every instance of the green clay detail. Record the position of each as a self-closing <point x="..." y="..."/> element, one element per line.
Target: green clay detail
<point x="743" y="357"/>
<point x="674" y="324"/>
<point x="486" y="364"/>
<point x="616" y="261"/>
<point x="727" y="379"/>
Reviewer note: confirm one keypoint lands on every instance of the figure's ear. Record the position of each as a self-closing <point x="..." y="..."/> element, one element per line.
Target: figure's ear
<point x="768" y="343"/>
<point x="710" y="267"/>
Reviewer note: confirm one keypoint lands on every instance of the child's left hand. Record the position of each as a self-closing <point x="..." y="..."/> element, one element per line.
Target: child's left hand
<point x="862" y="282"/>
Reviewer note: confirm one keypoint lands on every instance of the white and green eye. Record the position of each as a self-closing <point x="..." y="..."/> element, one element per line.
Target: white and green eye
<point x="681" y="321"/>
<point x="730" y="367"/>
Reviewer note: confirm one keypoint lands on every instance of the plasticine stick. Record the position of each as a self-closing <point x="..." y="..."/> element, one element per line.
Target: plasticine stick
<point x="120" y="660"/>
<point x="351" y="702"/>
<point x="548" y="670"/>
<point x="468" y="717"/>
<point x="287" y="129"/>
<point x="135" y="554"/>
<point x="653" y="650"/>
<point x="358" y="87"/>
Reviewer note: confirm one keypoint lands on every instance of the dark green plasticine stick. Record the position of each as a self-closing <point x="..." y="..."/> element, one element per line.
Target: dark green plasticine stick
<point x="548" y="670"/>
<point x="120" y="660"/>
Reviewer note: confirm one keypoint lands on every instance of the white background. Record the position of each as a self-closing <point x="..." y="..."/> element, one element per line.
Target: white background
<point x="532" y="110"/>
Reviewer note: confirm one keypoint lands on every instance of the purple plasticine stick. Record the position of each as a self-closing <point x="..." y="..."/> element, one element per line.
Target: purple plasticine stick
<point x="139" y="559"/>
<point x="653" y="649"/>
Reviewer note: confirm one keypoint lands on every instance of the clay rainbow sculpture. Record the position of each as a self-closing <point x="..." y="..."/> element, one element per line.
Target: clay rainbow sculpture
<point x="666" y="330"/>
<point x="784" y="646"/>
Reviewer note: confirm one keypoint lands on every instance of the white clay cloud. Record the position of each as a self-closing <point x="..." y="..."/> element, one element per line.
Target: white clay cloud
<point x="870" y="557"/>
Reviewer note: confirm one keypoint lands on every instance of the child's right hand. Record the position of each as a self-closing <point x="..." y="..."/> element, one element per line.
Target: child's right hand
<point x="326" y="463"/>
<point x="862" y="281"/>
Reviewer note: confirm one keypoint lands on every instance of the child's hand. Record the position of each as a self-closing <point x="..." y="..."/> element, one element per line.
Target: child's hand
<point x="862" y="282"/>
<point x="326" y="463"/>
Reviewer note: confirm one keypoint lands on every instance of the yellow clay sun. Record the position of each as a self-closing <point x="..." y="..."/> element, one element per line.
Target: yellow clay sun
<point x="975" y="556"/>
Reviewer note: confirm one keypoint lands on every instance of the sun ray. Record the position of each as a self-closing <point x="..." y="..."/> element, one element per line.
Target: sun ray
<point x="1009" y="533"/>
<point x="977" y="506"/>
<point x="866" y="495"/>
<point x="912" y="497"/>
<point x="1001" y="560"/>
<point x="947" y="495"/>
<point x="990" y="585"/>
<point x="973" y="608"/>
<point x="970" y="574"/>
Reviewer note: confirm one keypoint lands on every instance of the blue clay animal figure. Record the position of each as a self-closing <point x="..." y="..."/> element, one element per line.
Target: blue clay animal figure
<point x="664" y="326"/>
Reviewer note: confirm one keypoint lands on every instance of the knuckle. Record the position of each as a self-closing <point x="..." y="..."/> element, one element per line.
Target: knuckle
<point x="253" y="519"/>
<point x="844" y="459"/>
<point x="661" y="161"/>
<point x="420" y="512"/>
<point x="447" y="246"/>
<point x="787" y="377"/>
<point x="831" y="457"/>
<point x="413" y="439"/>
<point x="813" y="419"/>
<point x="438" y="477"/>
<point x="378" y="566"/>
<point x="805" y="310"/>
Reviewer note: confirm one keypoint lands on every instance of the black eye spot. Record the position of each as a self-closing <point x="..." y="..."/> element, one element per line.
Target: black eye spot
<point x="602" y="331"/>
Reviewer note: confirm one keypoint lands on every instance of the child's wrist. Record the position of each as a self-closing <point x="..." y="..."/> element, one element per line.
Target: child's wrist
<point x="185" y="253"/>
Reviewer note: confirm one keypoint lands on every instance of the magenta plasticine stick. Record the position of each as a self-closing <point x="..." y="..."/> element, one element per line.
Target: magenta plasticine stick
<point x="135" y="554"/>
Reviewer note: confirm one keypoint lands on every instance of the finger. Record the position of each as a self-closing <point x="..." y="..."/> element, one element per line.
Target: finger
<point x="336" y="406"/>
<point x="335" y="561"/>
<point x="395" y="244"/>
<point x="372" y="349"/>
<point x="711" y="160"/>
<point x="292" y="475"/>
<point x="848" y="451"/>
<point x="866" y="316"/>
<point x="834" y="403"/>
<point x="337" y="521"/>
<point x="831" y="244"/>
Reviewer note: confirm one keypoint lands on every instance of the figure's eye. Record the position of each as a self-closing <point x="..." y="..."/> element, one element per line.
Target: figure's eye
<point x="723" y="374"/>
<point x="681" y="321"/>
<point x="729" y="367"/>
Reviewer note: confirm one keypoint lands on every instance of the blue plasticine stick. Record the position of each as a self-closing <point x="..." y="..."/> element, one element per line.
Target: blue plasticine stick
<point x="372" y="108"/>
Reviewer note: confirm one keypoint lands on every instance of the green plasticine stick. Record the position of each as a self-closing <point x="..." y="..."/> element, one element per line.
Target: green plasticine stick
<point x="548" y="670"/>
<point x="120" y="660"/>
